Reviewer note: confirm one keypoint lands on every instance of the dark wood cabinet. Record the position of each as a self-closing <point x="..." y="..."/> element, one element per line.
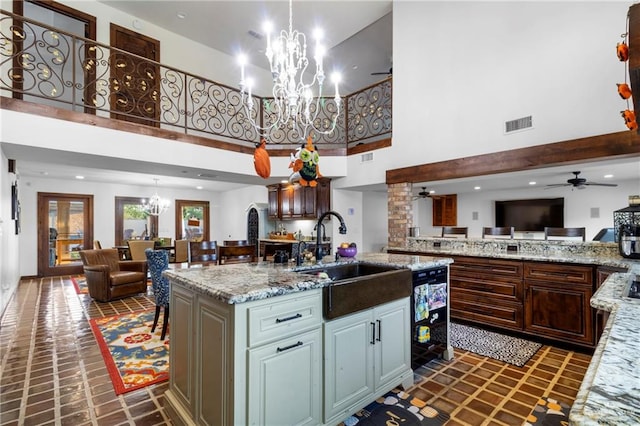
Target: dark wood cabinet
<point x="445" y="210"/>
<point x="487" y="291"/>
<point x="544" y="299"/>
<point x="557" y="301"/>
<point x="291" y="202"/>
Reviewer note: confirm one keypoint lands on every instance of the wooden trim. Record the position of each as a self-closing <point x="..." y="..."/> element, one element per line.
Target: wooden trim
<point x="205" y="217"/>
<point x="608" y="146"/>
<point x="119" y="218"/>
<point x="44" y="270"/>
<point x="371" y="146"/>
<point x="108" y="123"/>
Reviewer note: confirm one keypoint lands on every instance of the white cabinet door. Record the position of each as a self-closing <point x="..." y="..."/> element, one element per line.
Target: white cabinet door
<point x="393" y="344"/>
<point x="285" y="381"/>
<point x="348" y="351"/>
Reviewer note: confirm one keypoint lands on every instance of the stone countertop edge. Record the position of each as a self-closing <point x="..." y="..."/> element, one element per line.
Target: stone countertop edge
<point x="246" y="282"/>
<point x="610" y="390"/>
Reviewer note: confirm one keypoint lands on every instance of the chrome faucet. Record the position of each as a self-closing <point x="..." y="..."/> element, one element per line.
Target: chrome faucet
<point x="342" y="230"/>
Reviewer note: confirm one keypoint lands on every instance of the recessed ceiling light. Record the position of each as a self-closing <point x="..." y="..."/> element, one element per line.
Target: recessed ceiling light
<point x="609" y="176"/>
<point x="355" y="67"/>
<point x="476" y="188"/>
<point x="198" y="187"/>
<point x="532" y="182"/>
<point x="182" y="15"/>
<point x="79" y="177"/>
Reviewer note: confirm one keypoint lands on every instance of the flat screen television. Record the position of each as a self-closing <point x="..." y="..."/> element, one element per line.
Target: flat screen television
<point x="530" y="215"/>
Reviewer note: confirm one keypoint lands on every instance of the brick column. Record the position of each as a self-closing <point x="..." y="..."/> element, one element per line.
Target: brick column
<point x="400" y="213"/>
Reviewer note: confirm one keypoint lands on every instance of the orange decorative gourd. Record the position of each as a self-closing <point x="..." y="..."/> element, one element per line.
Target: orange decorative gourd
<point x="261" y="160"/>
<point x="629" y="119"/>
<point x="622" y="50"/>
<point x="624" y="90"/>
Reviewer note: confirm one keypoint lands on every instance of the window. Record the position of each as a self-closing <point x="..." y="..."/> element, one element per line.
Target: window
<point x="132" y="221"/>
<point x="192" y="220"/>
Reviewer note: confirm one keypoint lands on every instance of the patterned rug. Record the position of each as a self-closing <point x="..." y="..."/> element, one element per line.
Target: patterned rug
<point x="397" y="408"/>
<point x="512" y="350"/>
<point x="80" y="284"/>
<point x="549" y="412"/>
<point x="134" y="357"/>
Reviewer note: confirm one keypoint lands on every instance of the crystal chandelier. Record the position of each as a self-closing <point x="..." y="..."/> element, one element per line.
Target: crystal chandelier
<point x="156" y="205"/>
<point x="294" y="105"/>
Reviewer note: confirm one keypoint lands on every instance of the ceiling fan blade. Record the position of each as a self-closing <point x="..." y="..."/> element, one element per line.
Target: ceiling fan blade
<point x="601" y="184"/>
<point x="557" y="185"/>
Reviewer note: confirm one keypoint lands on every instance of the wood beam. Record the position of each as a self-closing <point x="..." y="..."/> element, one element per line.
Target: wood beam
<point x="595" y="148"/>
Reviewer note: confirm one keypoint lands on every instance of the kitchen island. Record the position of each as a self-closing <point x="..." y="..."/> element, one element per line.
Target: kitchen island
<point x="248" y="343"/>
<point x="610" y="391"/>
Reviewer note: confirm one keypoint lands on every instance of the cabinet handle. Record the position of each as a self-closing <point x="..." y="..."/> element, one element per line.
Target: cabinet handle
<point x="373" y="333"/>
<point x="379" y="330"/>
<point x="286" y="348"/>
<point x="298" y="315"/>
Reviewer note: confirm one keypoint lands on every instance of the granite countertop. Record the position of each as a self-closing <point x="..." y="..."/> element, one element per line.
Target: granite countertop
<point x="610" y="391"/>
<point x="254" y="281"/>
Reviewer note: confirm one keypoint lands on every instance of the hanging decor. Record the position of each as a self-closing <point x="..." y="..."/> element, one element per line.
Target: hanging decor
<point x="304" y="165"/>
<point x="293" y="105"/>
<point x="261" y="160"/>
<point x="156" y="205"/>
<point x="622" y="51"/>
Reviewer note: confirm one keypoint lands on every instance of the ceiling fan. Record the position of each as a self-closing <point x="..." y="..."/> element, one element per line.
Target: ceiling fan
<point x="580" y="183"/>
<point x="424" y="194"/>
<point x="390" y="72"/>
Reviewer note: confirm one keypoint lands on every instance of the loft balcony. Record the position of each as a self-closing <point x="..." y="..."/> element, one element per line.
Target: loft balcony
<point x="47" y="71"/>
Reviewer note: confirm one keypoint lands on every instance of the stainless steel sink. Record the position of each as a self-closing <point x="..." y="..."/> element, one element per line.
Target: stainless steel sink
<point x="358" y="286"/>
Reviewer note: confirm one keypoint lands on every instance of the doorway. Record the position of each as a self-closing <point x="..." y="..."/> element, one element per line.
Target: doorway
<point x="65" y="226"/>
<point x="135" y="83"/>
<point x="192" y="220"/>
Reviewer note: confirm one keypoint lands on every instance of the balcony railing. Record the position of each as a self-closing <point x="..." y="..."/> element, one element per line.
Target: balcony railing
<point x="49" y="66"/>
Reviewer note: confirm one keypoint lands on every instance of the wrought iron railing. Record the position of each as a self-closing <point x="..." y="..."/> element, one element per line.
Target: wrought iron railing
<point x="49" y="66"/>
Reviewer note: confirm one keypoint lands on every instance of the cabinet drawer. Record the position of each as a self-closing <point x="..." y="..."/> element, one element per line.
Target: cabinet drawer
<point x="503" y="290"/>
<point x="486" y="311"/>
<point x="559" y="272"/>
<point x="493" y="269"/>
<point x="281" y="319"/>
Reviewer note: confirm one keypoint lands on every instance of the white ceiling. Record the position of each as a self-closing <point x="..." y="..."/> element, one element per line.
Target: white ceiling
<point x="360" y="36"/>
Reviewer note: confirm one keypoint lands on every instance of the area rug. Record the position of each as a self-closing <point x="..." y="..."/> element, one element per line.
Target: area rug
<point x="80" y="284"/>
<point x="512" y="350"/>
<point x="133" y="355"/>
<point x="397" y="408"/>
<point x="549" y="412"/>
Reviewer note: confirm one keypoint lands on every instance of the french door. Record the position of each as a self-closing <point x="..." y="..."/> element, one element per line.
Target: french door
<point x="65" y="226"/>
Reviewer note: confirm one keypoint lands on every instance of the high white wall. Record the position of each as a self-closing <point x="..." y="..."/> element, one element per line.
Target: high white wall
<point x="578" y="205"/>
<point x="461" y="69"/>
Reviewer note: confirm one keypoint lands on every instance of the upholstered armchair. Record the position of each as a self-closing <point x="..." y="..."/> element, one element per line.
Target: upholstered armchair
<point x="110" y="278"/>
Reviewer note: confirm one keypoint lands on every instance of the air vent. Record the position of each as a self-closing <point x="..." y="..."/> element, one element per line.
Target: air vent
<point x="518" y="124"/>
<point x="365" y="158"/>
<point x="207" y="175"/>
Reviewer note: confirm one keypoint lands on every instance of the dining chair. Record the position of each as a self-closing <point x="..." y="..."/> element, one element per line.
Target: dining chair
<point x="181" y="251"/>
<point x="564" y="233"/>
<point x="236" y="254"/>
<point x="158" y="261"/>
<point x="498" y="232"/>
<point x="235" y="242"/>
<point x="455" y="231"/>
<point x="137" y="248"/>
<point x="203" y="252"/>
<point x="97" y="245"/>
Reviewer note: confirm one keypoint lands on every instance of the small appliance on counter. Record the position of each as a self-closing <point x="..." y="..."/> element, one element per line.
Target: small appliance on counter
<point x="629" y="241"/>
